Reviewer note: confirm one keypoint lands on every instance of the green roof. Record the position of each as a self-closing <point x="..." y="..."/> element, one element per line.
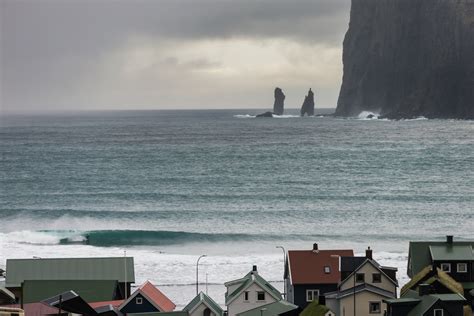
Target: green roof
<point x="451" y="252"/>
<point x="315" y="309"/>
<point x="90" y="290"/>
<point x="402" y="300"/>
<point x="248" y="279"/>
<point x="449" y="297"/>
<point x="112" y="268"/>
<point x="272" y="309"/>
<point x="419" y="253"/>
<point x="203" y="298"/>
<point x="426" y="301"/>
<point x="467" y="285"/>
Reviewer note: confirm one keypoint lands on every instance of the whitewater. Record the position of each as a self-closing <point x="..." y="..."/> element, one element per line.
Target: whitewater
<point x="168" y="186"/>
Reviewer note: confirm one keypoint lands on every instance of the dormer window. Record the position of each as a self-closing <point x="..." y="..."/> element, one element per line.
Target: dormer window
<point x="446" y="267"/>
<point x="327" y="269"/>
<point x="462" y="267"/>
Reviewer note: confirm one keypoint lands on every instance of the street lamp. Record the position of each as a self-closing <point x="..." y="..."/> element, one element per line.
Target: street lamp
<point x="197" y="273"/>
<point x="284" y="268"/>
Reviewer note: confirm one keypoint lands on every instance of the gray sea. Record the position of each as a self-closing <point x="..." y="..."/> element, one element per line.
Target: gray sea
<point x="167" y="186"/>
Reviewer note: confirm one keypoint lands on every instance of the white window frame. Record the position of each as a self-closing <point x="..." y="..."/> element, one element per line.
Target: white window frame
<point x="264" y="296"/>
<point x="438" y="310"/>
<point x="462" y="264"/>
<point x="139" y="300"/>
<point x="380" y="307"/>
<point x="246" y="296"/>
<point x="445" y="264"/>
<point x="311" y="293"/>
<point x="327" y="269"/>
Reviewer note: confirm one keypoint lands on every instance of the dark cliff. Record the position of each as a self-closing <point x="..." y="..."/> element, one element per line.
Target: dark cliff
<point x="308" y="104"/>
<point x="278" y="105"/>
<point x="407" y="58"/>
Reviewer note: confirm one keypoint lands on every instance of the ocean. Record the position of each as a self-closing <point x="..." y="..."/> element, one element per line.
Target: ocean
<point x="168" y="186"/>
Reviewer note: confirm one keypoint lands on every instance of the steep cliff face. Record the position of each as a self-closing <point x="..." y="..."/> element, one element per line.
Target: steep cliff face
<point x="279" y="104"/>
<point x="406" y="58"/>
<point x="308" y="104"/>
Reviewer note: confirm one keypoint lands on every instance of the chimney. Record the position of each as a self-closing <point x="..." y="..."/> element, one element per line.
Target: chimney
<point x="254" y="269"/>
<point x="368" y="253"/>
<point x="315" y="247"/>
<point x="423" y="289"/>
<point x="449" y="239"/>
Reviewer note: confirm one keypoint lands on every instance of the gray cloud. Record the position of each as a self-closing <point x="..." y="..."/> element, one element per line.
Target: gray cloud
<point x="49" y="46"/>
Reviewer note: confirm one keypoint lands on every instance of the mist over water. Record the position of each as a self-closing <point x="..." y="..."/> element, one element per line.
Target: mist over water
<point x="169" y="185"/>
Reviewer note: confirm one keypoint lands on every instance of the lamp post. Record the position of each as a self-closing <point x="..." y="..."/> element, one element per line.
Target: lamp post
<point x="284" y="268"/>
<point x="197" y="273"/>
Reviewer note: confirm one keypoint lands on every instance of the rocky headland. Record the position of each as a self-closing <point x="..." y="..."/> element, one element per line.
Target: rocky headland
<point x="308" y="104"/>
<point x="409" y="58"/>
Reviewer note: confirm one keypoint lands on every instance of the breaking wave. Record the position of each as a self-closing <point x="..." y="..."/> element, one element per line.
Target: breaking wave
<point x="110" y="238"/>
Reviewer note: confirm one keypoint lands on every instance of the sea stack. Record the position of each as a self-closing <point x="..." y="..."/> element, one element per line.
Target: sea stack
<point x="405" y="59"/>
<point x="308" y="104"/>
<point x="278" y="105"/>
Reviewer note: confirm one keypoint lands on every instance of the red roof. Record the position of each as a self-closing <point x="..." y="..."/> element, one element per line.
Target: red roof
<point x="35" y="309"/>
<point x="308" y="266"/>
<point x="160" y="300"/>
<point x="115" y="303"/>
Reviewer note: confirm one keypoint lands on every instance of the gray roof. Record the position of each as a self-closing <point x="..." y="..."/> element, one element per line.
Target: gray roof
<point x="360" y="288"/>
<point x="246" y="281"/>
<point x="111" y="268"/>
<point x="349" y="264"/>
<point x="205" y="299"/>
<point x="451" y="252"/>
<point x="419" y="255"/>
<point x="275" y="308"/>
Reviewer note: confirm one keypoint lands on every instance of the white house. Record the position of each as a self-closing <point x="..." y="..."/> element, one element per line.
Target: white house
<point x="203" y="305"/>
<point x="249" y="292"/>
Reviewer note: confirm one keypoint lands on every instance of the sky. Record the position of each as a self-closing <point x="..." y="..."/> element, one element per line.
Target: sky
<point x="67" y="55"/>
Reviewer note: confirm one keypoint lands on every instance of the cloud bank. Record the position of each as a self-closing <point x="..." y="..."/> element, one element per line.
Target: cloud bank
<point x="144" y="54"/>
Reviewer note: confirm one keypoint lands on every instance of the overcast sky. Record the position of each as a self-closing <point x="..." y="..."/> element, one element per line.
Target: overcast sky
<point x="168" y="54"/>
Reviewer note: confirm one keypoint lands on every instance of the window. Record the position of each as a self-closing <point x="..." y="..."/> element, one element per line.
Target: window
<point x="246" y="296"/>
<point x="312" y="295"/>
<point x="376" y="278"/>
<point x="446" y="267"/>
<point x="360" y="277"/>
<point x="139" y="300"/>
<point x="438" y="312"/>
<point x="462" y="267"/>
<point x="327" y="269"/>
<point x="374" y="307"/>
<point x="260" y="296"/>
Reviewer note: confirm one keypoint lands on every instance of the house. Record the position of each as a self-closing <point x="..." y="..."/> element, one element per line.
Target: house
<point x="424" y="304"/>
<point x="56" y="275"/>
<point x="251" y="291"/>
<point x="147" y="299"/>
<point x="456" y="258"/>
<point x="310" y="274"/>
<point x="362" y="292"/>
<point x="281" y="308"/>
<point x="316" y="309"/>
<point x="203" y="305"/>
